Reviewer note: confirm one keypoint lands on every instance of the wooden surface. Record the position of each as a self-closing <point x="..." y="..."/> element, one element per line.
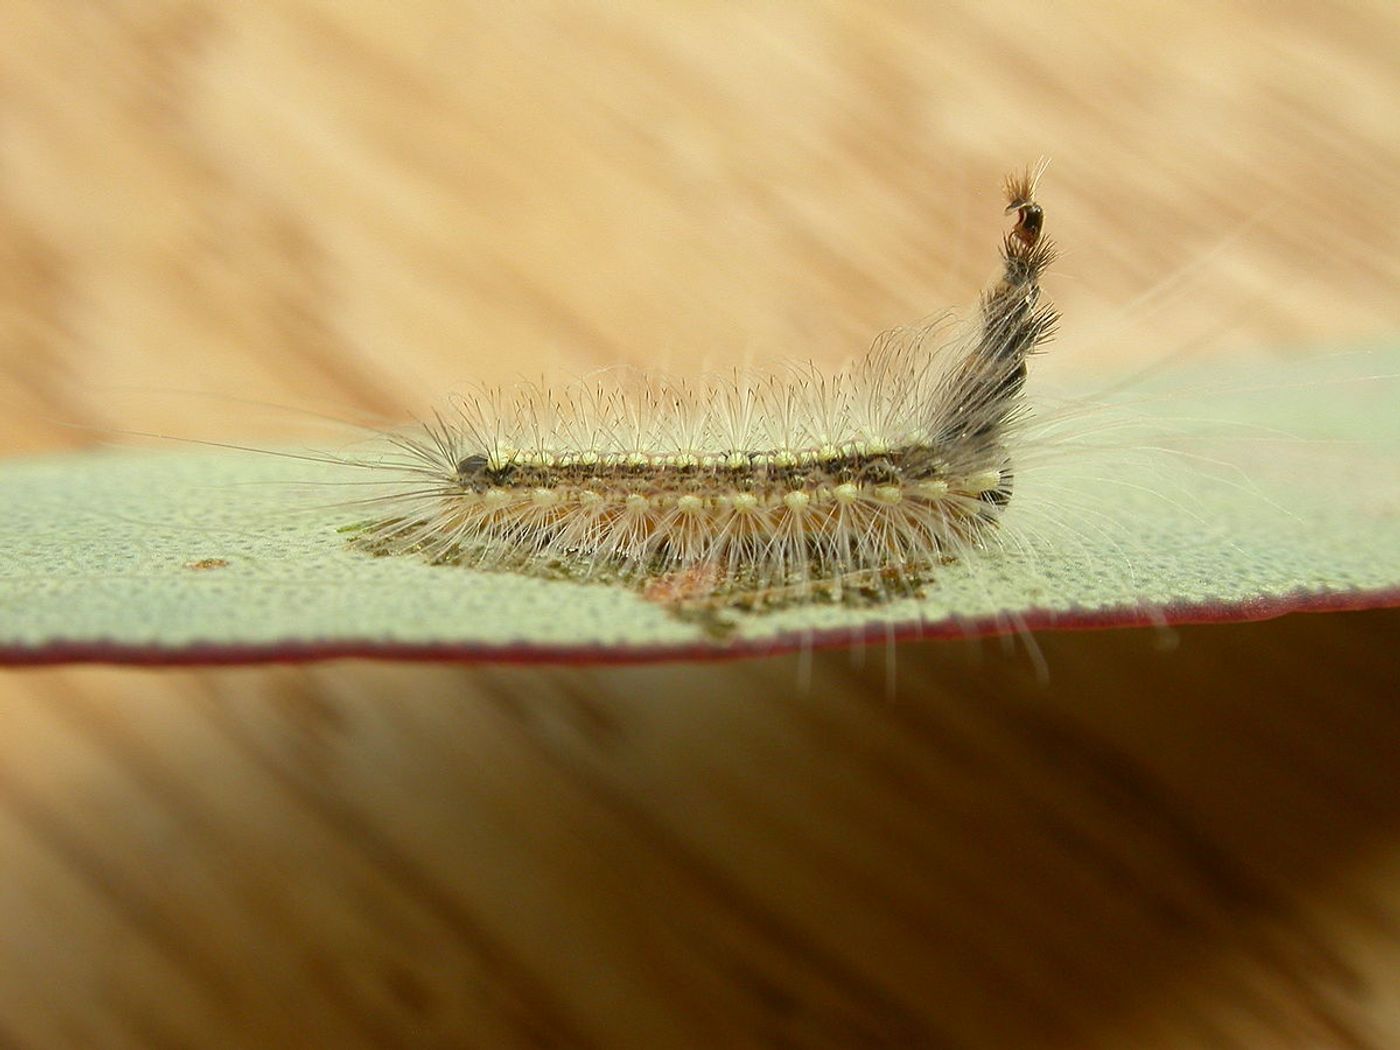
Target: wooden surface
<point x="1185" y="839"/>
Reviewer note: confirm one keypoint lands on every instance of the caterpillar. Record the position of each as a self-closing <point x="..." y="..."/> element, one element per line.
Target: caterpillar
<point x="745" y="490"/>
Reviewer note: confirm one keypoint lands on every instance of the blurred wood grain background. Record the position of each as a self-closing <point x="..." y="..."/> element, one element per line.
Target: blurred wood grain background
<point x="1185" y="839"/>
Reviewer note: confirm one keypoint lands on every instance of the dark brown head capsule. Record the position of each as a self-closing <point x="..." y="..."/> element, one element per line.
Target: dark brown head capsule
<point x="473" y="472"/>
<point x="1029" y="218"/>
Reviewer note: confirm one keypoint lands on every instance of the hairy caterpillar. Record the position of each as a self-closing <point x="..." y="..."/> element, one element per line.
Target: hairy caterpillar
<point x="744" y="491"/>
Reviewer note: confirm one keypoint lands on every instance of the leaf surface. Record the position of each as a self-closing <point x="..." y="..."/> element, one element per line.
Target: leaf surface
<point x="1265" y="501"/>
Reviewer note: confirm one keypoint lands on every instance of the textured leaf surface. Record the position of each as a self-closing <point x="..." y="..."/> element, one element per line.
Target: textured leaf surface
<point x="1288" y="498"/>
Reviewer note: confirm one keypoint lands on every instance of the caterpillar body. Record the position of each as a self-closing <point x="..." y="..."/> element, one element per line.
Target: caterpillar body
<point x="742" y="490"/>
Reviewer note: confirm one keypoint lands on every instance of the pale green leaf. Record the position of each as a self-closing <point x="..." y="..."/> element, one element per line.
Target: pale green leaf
<point x="1290" y="497"/>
